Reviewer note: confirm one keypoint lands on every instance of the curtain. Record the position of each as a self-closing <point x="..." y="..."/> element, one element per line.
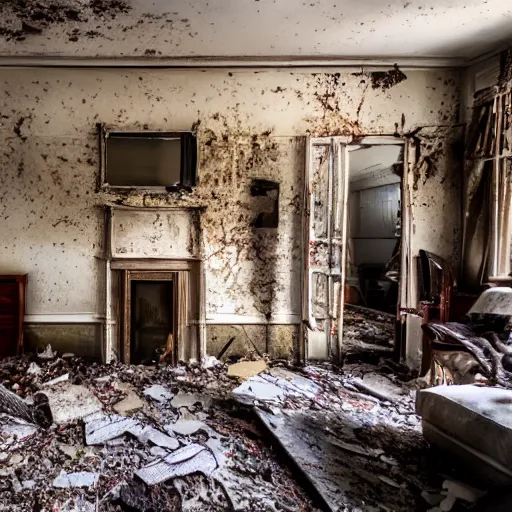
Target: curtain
<point x="185" y="347"/>
<point x="476" y="238"/>
<point x="503" y="206"/>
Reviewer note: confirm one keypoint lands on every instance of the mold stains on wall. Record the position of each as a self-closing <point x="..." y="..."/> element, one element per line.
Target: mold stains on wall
<point x="247" y="267"/>
<point x="239" y="257"/>
<point x="429" y="150"/>
<point x="250" y="125"/>
<point x="24" y="18"/>
<point x="331" y="96"/>
<point x="431" y="147"/>
<point x="386" y="79"/>
<point x="18" y="127"/>
<point x="436" y="178"/>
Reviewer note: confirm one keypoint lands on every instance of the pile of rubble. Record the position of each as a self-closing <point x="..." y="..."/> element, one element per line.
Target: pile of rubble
<point x="356" y="438"/>
<point x="367" y="331"/>
<point x="138" y="439"/>
<point x="196" y="438"/>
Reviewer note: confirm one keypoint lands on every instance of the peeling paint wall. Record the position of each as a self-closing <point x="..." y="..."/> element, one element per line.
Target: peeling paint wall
<point x="435" y="198"/>
<point x="249" y="123"/>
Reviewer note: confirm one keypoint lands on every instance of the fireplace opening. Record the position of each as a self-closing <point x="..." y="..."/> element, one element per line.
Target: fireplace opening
<point x="151" y="319"/>
<point x="155" y="312"/>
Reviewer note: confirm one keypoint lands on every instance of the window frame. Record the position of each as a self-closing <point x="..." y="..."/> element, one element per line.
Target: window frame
<point x="500" y="242"/>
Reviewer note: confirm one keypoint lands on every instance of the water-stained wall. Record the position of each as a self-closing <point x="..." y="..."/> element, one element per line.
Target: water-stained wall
<point x="249" y="124"/>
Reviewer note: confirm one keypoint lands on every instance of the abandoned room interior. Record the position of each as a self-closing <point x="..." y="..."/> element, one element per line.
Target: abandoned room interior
<point x="255" y="256"/>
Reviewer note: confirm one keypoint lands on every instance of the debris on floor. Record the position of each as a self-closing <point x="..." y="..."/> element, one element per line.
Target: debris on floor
<point x="194" y="438"/>
<point x="246" y="369"/>
<point x="367" y="332"/>
<point x="139" y="439"/>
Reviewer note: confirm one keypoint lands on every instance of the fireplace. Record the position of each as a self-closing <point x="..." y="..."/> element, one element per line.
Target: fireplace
<point x="153" y="305"/>
<point x="150" y="310"/>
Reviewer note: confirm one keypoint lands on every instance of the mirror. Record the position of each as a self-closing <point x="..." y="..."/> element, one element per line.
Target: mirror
<point x="373" y="246"/>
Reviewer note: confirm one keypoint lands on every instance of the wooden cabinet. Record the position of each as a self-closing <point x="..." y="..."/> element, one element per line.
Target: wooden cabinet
<point x="12" y="313"/>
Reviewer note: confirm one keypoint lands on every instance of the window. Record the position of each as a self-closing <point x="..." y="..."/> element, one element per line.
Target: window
<point x="148" y="160"/>
<point x="501" y="201"/>
<point x="488" y="222"/>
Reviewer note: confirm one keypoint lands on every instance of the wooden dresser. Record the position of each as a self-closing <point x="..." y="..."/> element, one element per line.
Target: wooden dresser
<point x="12" y="313"/>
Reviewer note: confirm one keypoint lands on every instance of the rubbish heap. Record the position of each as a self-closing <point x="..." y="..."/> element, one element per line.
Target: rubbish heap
<point x="196" y="438"/>
<point x="135" y="438"/>
<point x="366" y="331"/>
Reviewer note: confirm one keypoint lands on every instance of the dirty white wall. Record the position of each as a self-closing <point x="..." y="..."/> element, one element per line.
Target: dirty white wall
<point x="249" y="125"/>
<point x="476" y="78"/>
<point x="373" y="217"/>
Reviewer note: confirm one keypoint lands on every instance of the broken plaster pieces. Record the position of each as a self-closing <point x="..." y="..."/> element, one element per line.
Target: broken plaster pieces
<point x="208" y="362"/>
<point x="57" y="380"/>
<point x="34" y="369"/>
<point x="131" y="402"/>
<point x="193" y="458"/>
<point x="47" y="353"/>
<point x="69" y="402"/>
<point x="80" y="479"/>
<point x="246" y="369"/>
<point x="185" y="427"/>
<point x="158" y="393"/>
<point x="154" y="436"/>
<point x="189" y="400"/>
<point x="270" y="388"/>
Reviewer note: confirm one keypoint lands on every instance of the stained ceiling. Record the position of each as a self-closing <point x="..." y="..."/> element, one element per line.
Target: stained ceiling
<point x="449" y="29"/>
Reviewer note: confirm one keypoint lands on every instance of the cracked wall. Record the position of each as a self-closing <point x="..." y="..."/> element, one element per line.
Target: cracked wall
<point x="250" y="124"/>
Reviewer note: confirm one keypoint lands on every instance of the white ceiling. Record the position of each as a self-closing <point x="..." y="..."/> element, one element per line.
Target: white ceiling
<point x="370" y="166"/>
<point x="461" y="29"/>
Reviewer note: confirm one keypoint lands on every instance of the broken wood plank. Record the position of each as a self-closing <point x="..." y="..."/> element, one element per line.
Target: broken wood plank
<point x="13" y="405"/>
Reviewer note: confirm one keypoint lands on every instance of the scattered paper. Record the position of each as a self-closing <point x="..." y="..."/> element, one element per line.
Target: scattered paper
<point x="190" y="459"/>
<point x="108" y="427"/>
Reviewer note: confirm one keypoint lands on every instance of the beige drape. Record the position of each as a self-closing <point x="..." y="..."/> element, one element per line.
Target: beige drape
<point x="503" y="206"/>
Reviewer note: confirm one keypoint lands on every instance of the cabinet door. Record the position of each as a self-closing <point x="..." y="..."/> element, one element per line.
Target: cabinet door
<point x="8" y="334"/>
<point x="9" y="298"/>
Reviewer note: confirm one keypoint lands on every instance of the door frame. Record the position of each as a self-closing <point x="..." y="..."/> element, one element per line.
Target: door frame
<point x="404" y="286"/>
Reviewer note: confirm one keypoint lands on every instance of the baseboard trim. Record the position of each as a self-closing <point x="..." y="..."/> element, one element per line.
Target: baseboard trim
<point x="234" y="319"/>
<point x="217" y="319"/>
<point x="65" y="318"/>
